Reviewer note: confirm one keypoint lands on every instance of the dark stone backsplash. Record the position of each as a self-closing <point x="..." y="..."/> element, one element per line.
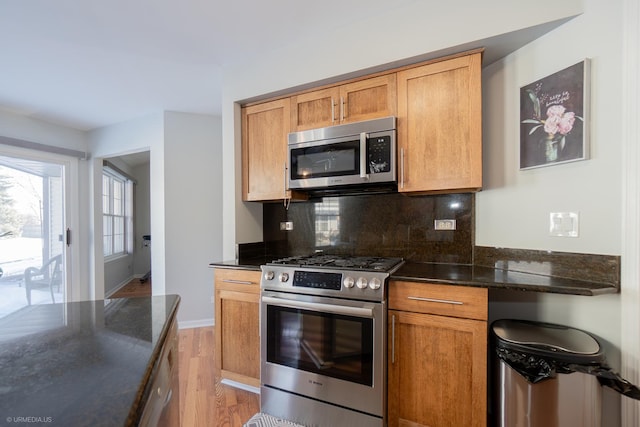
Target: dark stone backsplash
<point x="391" y="225"/>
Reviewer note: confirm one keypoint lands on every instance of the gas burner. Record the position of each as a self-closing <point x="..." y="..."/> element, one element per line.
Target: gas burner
<point x="340" y="262"/>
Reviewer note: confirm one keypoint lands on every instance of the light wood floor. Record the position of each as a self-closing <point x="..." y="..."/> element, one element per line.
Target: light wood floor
<point x="204" y="401"/>
<point x="134" y="288"/>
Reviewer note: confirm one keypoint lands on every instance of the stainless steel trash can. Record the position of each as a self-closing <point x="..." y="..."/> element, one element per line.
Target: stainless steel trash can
<point x="537" y="375"/>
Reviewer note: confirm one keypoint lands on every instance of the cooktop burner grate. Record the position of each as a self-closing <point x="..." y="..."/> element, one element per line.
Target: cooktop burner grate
<point x="340" y="262"/>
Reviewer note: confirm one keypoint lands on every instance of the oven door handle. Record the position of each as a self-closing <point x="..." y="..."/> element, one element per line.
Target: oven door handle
<point x="324" y="308"/>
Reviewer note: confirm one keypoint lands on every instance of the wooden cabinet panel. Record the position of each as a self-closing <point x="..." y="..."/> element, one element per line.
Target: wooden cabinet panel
<point x="352" y="102"/>
<point x="315" y="109"/>
<point x="456" y="301"/>
<point x="439" y="126"/>
<point x="437" y="372"/>
<point x="237" y="329"/>
<point x="368" y="99"/>
<point x="265" y="128"/>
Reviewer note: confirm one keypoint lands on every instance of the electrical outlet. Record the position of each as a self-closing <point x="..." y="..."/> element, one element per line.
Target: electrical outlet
<point x="286" y="226"/>
<point x="444" y="224"/>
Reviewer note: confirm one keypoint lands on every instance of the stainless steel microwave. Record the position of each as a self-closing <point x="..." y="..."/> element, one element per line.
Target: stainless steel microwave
<point x="352" y="154"/>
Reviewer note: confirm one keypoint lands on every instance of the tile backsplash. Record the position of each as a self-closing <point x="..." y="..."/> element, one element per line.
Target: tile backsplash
<point x="391" y="225"/>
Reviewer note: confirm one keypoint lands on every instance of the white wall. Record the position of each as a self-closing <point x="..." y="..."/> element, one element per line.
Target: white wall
<point x="193" y="212"/>
<point x="142" y="226"/>
<point x="513" y="208"/>
<point x="186" y="214"/>
<point x="19" y="126"/>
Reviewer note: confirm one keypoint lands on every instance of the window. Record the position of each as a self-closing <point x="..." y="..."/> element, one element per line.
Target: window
<point x="117" y="217"/>
<point x="327" y="221"/>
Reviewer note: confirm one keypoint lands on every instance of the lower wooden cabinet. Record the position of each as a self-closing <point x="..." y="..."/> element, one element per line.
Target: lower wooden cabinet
<point x="437" y="372"/>
<point x="237" y="329"/>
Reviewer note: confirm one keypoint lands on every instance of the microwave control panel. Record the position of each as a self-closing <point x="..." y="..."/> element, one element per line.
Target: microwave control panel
<point x="379" y="154"/>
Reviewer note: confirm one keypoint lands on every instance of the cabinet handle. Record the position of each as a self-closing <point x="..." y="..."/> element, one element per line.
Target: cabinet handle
<point x="333" y="111"/>
<point x="442" y="301"/>
<point x="401" y="167"/>
<point x="393" y="339"/>
<point x="342" y="109"/>
<point x="238" y="282"/>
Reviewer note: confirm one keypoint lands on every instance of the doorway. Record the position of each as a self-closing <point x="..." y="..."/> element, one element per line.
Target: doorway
<point x="133" y="263"/>
<point x="33" y="251"/>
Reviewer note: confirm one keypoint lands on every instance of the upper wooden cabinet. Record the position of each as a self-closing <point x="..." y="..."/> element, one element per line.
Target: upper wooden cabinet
<point x="440" y="126"/>
<point x="265" y="128"/>
<point x="438" y="106"/>
<point x="352" y="102"/>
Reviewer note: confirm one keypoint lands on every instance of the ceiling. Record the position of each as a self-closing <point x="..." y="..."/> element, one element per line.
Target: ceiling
<point x="88" y="64"/>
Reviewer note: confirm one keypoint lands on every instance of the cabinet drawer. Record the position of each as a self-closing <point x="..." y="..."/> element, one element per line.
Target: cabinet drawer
<point x="445" y="300"/>
<point x="239" y="280"/>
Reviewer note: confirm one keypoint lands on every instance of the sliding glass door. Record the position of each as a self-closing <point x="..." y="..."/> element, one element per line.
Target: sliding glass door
<point x="33" y="238"/>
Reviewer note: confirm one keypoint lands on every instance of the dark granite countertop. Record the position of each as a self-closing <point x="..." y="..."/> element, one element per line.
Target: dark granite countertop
<point x="81" y="363"/>
<point x="486" y="277"/>
<point x="470" y="275"/>
<point x="245" y="264"/>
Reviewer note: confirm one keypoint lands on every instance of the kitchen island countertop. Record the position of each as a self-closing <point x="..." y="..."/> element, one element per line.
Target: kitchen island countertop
<point x="81" y="363"/>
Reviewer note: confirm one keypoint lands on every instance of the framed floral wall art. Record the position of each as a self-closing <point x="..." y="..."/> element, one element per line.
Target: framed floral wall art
<point x="554" y="119"/>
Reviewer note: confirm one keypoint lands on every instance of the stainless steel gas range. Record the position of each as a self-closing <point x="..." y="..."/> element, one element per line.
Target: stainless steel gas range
<point x="323" y="339"/>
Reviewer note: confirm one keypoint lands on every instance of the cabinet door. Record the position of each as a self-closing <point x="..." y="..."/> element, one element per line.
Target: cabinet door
<point x="437" y="371"/>
<point x="439" y="126"/>
<point x="237" y="305"/>
<point x="315" y="109"/>
<point x="368" y="99"/>
<point x="265" y="128"/>
<point x="353" y="102"/>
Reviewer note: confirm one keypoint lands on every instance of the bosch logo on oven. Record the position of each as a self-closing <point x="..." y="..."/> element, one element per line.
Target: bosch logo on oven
<point x="315" y="383"/>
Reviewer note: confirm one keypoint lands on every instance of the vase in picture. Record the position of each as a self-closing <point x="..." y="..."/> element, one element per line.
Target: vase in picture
<point x="550" y="149"/>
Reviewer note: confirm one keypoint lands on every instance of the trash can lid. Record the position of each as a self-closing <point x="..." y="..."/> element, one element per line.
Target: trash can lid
<point x="546" y="339"/>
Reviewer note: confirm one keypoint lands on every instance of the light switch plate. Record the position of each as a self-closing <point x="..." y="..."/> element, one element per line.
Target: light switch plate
<point x="564" y="224"/>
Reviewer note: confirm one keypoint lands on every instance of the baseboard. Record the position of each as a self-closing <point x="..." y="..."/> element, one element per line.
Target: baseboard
<point x="186" y="324"/>
<point x="118" y="287"/>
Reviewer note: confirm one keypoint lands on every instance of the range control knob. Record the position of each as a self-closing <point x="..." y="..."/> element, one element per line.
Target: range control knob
<point x="348" y="282"/>
<point x="361" y="283"/>
<point x="375" y="283"/>
<point x="268" y="275"/>
<point x="283" y="277"/>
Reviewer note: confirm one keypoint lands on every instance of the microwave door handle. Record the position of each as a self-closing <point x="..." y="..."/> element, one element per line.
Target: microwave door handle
<point x="363" y="155"/>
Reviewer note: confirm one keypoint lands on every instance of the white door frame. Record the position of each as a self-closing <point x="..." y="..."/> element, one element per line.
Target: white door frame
<point x="630" y="284"/>
<point x="71" y="198"/>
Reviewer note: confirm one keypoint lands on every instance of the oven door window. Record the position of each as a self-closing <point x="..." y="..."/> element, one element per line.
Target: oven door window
<point x="339" y="159"/>
<point x="327" y="344"/>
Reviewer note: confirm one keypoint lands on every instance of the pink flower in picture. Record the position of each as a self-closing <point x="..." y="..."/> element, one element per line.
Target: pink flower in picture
<point x="558" y="121"/>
